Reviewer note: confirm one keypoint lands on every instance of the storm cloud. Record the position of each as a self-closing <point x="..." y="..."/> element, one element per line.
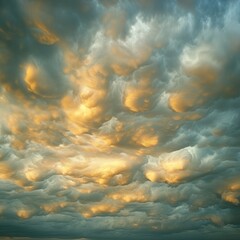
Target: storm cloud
<point x="119" y="119"/>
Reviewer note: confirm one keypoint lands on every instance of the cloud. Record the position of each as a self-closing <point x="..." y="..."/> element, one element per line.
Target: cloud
<point x="119" y="119"/>
<point x="179" y="165"/>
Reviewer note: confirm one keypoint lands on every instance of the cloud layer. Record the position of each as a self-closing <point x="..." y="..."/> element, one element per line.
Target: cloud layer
<point x="119" y="119"/>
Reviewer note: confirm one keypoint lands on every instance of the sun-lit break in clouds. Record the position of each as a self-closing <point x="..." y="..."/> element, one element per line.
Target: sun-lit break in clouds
<point x="120" y="119"/>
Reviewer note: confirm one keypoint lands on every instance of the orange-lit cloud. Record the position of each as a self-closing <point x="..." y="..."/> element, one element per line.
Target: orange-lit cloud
<point x="119" y="119"/>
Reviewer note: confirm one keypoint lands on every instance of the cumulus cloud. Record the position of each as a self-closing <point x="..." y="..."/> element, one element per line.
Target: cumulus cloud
<point x="119" y="119"/>
<point x="178" y="165"/>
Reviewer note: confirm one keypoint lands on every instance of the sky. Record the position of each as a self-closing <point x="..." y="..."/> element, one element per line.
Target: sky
<point x="120" y="119"/>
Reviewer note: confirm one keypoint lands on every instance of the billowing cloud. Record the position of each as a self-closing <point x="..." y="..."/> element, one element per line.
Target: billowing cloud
<point x="119" y="119"/>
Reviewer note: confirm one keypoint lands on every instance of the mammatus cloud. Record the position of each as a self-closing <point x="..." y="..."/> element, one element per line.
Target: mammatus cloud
<point x="119" y="119"/>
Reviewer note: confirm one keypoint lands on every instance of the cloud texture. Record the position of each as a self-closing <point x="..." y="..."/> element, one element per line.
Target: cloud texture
<point x="120" y="119"/>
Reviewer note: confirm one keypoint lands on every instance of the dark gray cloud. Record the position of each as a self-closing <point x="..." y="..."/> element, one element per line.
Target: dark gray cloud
<point x="119" y="119"/>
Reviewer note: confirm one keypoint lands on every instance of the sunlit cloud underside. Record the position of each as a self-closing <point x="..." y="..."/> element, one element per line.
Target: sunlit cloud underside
<point x="120" y="119"/>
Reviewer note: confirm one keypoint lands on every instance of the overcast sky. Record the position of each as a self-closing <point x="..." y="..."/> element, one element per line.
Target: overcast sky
<point x="120" y="119"/>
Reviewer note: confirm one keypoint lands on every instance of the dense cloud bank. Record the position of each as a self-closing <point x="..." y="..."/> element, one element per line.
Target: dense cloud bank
<point x="120" y="119"/>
